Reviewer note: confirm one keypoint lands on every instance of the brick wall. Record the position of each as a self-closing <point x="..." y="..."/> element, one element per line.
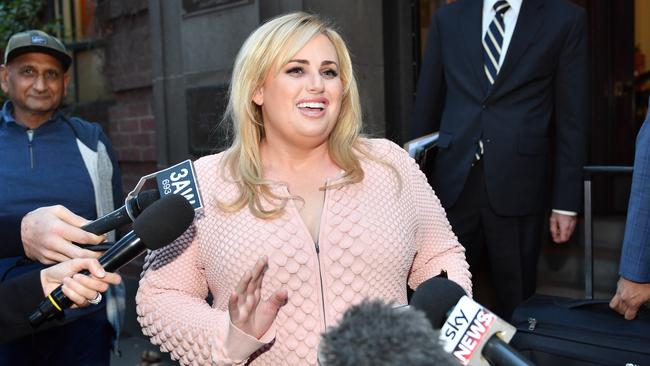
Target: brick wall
<point x="131" y="122"/>
<point x="133" y="134"/>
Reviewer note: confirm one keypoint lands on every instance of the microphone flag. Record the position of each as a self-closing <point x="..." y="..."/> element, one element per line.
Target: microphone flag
<point x="177" y="179"/>
<point x="467" y="329"/>
<point x="180" y="179"/>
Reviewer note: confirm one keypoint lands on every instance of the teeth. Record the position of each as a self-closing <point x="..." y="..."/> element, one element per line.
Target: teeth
<point x="311" y="105"/>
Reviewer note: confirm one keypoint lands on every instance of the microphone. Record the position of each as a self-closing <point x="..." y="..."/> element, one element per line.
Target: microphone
<point x="378" y="333"/>
<point x="120" y="217"/>
<point x="472" y="334"/>
<point x="156" y="227"/>
<point x="436" y="297"/>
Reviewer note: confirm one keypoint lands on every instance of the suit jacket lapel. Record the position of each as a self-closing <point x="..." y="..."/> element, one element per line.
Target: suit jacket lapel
<point x="529" y="21"/>
<point x="470" y="26"/>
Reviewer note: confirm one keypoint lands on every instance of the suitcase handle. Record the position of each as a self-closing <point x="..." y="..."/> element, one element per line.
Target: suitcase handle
<point x="643" y="313"/>
<point x="581" y="303"/>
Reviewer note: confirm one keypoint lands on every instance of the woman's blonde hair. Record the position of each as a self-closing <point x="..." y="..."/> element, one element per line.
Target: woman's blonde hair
<point x="272" y="45"/>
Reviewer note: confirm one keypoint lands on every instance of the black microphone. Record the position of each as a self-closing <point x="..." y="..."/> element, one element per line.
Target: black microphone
<point x="436" y="297"/>
<point x="468" y="329"/>
<point x="120" y="217"/>
<point x="99" y="247"/>
<point x="156" y="227"/>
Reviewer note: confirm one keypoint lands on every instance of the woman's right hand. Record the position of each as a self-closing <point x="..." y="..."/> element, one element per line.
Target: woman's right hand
<point x="247" y="310"/>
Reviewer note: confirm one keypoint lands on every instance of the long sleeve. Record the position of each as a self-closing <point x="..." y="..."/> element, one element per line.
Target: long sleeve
<point x="172" y="309"/>
<point x="635" y="258"/>
<point x="26" y="293"/>
<point x="571" y="117"/>
<point x="438" y="248"/>
<point x="12" y="245"/>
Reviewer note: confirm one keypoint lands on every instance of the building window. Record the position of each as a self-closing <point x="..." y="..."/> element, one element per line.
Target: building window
<point x="81" y="33"/>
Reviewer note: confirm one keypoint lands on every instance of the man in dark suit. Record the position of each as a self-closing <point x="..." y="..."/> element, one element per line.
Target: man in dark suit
<point x="634" y="285"/>
<point x="497" y="75"/>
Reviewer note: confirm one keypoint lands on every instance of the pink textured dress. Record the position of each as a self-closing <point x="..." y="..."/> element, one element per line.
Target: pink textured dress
<point x="374" y="239"/>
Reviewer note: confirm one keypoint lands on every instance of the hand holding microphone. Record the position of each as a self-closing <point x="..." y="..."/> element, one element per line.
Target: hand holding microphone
<point x="156" y="227"/>
<point x="48" y="232"/>
<point x="79" y="288"/>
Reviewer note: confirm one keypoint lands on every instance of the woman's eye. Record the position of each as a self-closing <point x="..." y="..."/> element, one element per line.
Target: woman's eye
<point x="330" y="73"/>
<point x="295" y="71"/>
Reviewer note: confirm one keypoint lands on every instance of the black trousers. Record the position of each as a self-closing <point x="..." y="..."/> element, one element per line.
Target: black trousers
<point x="509" y="244"/>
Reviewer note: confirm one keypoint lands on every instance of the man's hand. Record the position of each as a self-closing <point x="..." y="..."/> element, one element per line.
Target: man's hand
<point x="247" y="312"/>
<point x="77" y="287"/>
<point x="48" y="232"/>
<point x="562" y="226"/>
<point x="629" y="297"/>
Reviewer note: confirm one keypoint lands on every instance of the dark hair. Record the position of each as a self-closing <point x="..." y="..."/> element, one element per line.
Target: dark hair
<point x="378" y="334"/>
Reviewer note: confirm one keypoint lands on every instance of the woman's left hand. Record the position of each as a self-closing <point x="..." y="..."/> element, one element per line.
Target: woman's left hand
<point x="247" y="310"/>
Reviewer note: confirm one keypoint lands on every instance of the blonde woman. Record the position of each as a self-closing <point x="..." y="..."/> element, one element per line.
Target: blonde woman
<point x="303" y="217"/>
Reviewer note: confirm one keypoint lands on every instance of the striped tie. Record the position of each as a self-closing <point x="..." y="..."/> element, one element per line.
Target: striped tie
<point x="493" y="41"/>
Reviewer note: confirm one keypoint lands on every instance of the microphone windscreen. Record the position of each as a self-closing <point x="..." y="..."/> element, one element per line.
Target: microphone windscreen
<point x="146" y="198"/>
<point x="164" y="221"/>
<point x="436" y="297"/>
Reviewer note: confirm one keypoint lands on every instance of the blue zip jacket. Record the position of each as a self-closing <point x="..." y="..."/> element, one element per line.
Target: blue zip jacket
<point x="56" y="163"/>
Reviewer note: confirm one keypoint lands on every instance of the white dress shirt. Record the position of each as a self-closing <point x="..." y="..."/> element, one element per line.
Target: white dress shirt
<point x="509" y="18"/>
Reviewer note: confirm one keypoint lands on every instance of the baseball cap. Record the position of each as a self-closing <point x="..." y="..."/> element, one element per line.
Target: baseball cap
<point x="37" y="41"/>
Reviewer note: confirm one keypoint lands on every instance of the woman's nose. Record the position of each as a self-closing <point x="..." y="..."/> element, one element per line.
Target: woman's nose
<point x="316" y="83"/>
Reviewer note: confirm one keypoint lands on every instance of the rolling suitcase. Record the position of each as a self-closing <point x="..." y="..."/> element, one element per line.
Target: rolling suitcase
<point x="568" y="332"/>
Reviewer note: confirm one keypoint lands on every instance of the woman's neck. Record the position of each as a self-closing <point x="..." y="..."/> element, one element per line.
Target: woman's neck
<point x="279" y="162"/>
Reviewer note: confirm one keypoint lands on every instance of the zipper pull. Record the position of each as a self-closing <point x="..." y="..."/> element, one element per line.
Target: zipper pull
<point x="317" y="248"/>
<point x="532" y="322"/>
<point x="30" y="138"/>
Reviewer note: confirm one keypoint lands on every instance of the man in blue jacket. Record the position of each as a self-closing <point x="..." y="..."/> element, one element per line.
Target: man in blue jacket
<point x="50" y="159"/>
<point x="634" y="285"/>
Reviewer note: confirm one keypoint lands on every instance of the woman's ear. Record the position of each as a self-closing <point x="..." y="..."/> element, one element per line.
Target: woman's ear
<point x="258" y="96"/>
